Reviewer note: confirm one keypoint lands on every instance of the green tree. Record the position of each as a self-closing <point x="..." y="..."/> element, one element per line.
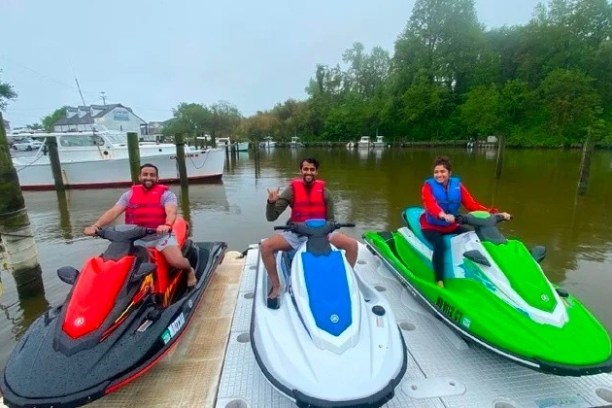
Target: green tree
<point x="188" y="118"/>
<point x="224" y="119"/>
<point x="425" y="108"/>
<point x="442" y="41"/>
<point x="481" y="110"/>
<point x="571" y="102"/>
<point x="366" y="72"/>
<point x="6" y="94"/>
<point x="49" y="121"/>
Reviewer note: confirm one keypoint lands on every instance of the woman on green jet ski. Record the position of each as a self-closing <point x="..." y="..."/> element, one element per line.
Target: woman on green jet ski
<point x="442" y="197"/>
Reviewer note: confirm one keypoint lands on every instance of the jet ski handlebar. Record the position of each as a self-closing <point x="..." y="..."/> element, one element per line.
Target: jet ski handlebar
<point x="313" y="228"/>
<point x="479" y="219"/>
<point x="124" y="233"/>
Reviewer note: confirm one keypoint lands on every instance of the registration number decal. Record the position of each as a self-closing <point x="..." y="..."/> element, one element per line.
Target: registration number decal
<point x="173" y="329"/>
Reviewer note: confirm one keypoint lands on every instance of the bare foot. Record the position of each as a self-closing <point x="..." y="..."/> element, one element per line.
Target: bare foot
<point x="274" y="293"/>
<point x="441" y="284"/>
<point x="191" y="278"/>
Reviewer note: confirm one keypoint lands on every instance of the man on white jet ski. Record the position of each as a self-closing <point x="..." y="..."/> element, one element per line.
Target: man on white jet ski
<point x="308" y="198"/>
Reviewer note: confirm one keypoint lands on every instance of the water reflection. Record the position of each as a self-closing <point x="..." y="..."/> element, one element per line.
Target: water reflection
<point x="30" y="303"/>
<point x="65" y="224"/>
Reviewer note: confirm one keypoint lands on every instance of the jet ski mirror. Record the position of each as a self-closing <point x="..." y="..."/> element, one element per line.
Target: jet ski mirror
<point x="68" y="274"/>
<point x="538" y="252"/>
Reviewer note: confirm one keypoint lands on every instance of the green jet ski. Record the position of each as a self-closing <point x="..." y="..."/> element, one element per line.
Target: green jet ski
<point x="497" y="295"/>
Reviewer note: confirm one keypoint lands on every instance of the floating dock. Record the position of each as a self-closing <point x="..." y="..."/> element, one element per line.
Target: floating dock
<point x="443" y="370"/>
<point x="213" y="365"/>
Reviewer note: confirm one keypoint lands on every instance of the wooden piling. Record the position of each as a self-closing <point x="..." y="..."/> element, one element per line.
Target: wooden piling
<point x="56" y="167"/>
<point x="180" y="159"/>
<point x="185" y="208"/>
<point x="134" y="155"/>
<point x="65" y="224"/>
<point x="501" y="141"/>
<point x="15" y="230"/>
<point x="585" y="165"/>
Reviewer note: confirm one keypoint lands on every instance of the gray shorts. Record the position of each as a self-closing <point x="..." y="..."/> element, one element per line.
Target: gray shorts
<point x="293" y="239"/>
<point x="159" y="243"/>
<point x="296" y="240"/>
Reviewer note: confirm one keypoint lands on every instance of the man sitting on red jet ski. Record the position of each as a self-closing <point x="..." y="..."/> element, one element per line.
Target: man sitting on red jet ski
<point x="150" y="205"/>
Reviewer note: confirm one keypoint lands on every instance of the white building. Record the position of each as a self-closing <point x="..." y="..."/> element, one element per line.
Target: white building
<point x="101" y="117"/>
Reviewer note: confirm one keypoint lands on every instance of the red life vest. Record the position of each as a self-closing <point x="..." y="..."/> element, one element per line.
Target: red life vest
<point x="308" y="202"/>
<point x="145" y="207"/>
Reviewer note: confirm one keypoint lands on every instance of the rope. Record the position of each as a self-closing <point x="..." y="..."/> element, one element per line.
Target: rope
<point x="10" y="234"/>
<point x="203" y="163"/>
<point x="37" y="158"/>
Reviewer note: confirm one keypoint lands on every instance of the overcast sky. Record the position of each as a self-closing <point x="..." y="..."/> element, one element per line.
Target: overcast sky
<point x="152" y="55"/>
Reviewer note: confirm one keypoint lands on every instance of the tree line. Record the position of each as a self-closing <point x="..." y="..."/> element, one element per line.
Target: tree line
<point x="546" y="83"/>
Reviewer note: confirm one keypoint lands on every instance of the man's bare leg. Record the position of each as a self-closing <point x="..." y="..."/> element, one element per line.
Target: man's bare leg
<point x="268" y="247"/>
<point x="347" y="243"/>
<point x="175" y="258"/>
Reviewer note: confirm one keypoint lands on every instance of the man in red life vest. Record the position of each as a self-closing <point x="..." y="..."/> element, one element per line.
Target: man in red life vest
<point x="308" y="198"/>
<point x="150" y="205"/>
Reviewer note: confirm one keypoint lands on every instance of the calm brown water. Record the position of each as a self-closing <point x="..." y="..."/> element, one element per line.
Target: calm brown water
<point x="370" y="189"/>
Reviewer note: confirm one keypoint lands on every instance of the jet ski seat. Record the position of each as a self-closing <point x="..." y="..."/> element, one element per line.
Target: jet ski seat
<point x="411" y="216"/>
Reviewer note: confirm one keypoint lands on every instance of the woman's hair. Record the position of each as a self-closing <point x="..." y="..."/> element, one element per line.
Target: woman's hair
<point x="444" y="161"/>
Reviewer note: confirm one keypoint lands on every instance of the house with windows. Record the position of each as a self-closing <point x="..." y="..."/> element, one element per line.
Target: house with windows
<point x="100" y="117"/>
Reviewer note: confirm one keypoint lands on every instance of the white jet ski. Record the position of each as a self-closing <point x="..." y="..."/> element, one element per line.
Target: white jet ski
<point x="333" y="341"/>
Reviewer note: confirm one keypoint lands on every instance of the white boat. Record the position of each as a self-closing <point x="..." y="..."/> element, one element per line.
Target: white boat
<point x="268" y="143"/>
<point x="242" y="146"/>
<point x="224" y="142"/>
<point x="100" y="159"/>
<point x="295" y="142"/>
<point x="380" y="142"/>
<point x="364" y="142"/>
<point x="350" y="145"/>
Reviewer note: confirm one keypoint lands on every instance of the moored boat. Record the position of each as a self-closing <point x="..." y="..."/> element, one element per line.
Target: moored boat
<point x="100" y="159"/>
<point x="364" y="142"/>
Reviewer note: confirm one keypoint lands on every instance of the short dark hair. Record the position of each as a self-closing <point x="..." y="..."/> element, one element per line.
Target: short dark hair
<point x="310" y="160"/>
<point x="444" y="161"/>
<point x="150" y="165"/>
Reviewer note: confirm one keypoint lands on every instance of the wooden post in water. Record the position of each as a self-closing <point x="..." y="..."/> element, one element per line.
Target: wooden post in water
<point x="501" y="140"/>
<point x="15" y="231"/>
<point x="134" y="155"/>
<point x="65" y="225"/>
<point x="185" y="208"/>
<point x="180" y="159"/>
<point x="585" y="164"/>
<point x="56" y="167"/>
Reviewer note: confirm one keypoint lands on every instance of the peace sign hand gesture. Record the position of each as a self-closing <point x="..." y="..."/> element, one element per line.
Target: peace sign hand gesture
<point x="273" y="195"/>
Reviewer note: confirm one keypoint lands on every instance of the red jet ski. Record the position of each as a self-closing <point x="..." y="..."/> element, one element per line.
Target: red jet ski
<point x="125" y="311"/>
